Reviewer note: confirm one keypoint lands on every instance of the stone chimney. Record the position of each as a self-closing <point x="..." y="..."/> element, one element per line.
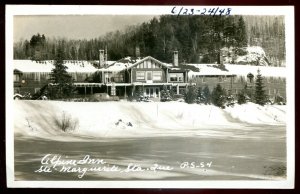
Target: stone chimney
<point x="175" y="58"/>
<point x="101" y="58"/>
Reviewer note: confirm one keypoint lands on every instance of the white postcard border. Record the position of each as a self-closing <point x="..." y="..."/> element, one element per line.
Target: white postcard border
<point x="12" y="10"/>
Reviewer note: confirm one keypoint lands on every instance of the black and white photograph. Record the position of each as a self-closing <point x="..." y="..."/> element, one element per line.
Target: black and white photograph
<point x="150" y="97"/>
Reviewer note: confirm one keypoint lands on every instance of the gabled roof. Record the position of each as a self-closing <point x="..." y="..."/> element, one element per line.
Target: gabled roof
<point x="157" y="61"/>
<point x="129" y="62"/>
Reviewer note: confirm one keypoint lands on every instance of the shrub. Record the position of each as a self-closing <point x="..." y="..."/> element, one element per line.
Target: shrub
<point x="138" y="93"/>
<point x="191" y="94"/>
<point x="165" y="94"/>
<point x="230" y="100"/>
<point x="245" y="95"/>
<point x="279" y="100"/>
<point x="206" y="95"/>
<point x="218" y="96"/>
<point x="241" y="98"/>
<point x="66" y="123"/>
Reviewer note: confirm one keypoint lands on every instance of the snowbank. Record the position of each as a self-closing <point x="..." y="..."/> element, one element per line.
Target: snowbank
<point x="129" y="119"/>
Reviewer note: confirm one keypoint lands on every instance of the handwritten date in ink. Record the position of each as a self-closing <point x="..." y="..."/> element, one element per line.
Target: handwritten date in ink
<point x="215" y="11"/>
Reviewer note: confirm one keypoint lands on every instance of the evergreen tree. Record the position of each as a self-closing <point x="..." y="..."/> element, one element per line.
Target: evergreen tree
<point x="230" y="100"/>
<point x="241" y="98"/>
<point x="165" y="94"/>
<point x="241" y="34"/>
<point x="259" y="96"/>
<point x="200" y="97"/>
<point x="218" y="96"/>
<point x="190" y="94"/>
<point x="62" y="82"/>
<point x="37" y="44"/>
<point x="245" y="95"/>
<point x="206" y="95"/>
<point x="139" y="93"/>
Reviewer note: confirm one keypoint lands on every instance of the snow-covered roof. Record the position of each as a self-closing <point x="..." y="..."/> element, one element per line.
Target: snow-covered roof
<point x="208" y="69"/>
<point x="204" y="69"/>
<point x="46" y="66"/>
<point x="239" y="70"/>
<point x="267" y="71"/>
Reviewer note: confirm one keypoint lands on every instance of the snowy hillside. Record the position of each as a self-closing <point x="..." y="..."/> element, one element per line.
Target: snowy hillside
<point x="253" y="55"/>
<point x="127" y="119"/>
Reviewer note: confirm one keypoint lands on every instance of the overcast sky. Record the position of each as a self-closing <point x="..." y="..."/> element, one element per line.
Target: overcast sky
<point x="73" y="27"/>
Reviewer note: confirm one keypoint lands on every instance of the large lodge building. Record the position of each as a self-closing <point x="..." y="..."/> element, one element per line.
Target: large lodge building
<point x="122" y="77"/>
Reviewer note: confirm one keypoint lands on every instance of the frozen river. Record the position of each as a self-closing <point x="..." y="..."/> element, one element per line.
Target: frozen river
<point x="257" y="153"/>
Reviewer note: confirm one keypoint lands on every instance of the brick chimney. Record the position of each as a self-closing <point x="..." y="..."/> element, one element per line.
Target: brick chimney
<point x="175" y="58"/>
<point x="137" y="52"/>
<point x="101" y="58"/>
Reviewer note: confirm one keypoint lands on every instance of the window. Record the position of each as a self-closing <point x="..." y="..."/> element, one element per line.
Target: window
<point x="74" y="76"/>
<point x="16" y="77"/>
<point x="220" y="79"/>
<point x="36" y="90"/>
<point x="235" y="79"/>
<point x="176" y="77"/>
<point x="180" y="78"/>
<point x="37" y="76"/>
<point x="156" y="91"/>
<point x="149" y="64"/>
<point x="107" y="78"/>
<point x="140" y="75"/>
<point x="173" y="77"/>
<point x="157" y="75"/>
<point x="149" y="75"/>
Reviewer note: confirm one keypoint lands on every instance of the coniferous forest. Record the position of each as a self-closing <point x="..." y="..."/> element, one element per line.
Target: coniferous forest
<point x="191" y="36"/>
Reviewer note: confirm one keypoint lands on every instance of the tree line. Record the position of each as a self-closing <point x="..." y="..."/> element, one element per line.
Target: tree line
<point x="269" y="33"/>
<point x="192" y="36"/>
<point x="197" y="38"/>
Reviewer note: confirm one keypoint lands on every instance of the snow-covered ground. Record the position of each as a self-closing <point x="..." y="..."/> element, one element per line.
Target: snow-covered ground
<point x="136" y="119"/>
<point x="244" y="142"/>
